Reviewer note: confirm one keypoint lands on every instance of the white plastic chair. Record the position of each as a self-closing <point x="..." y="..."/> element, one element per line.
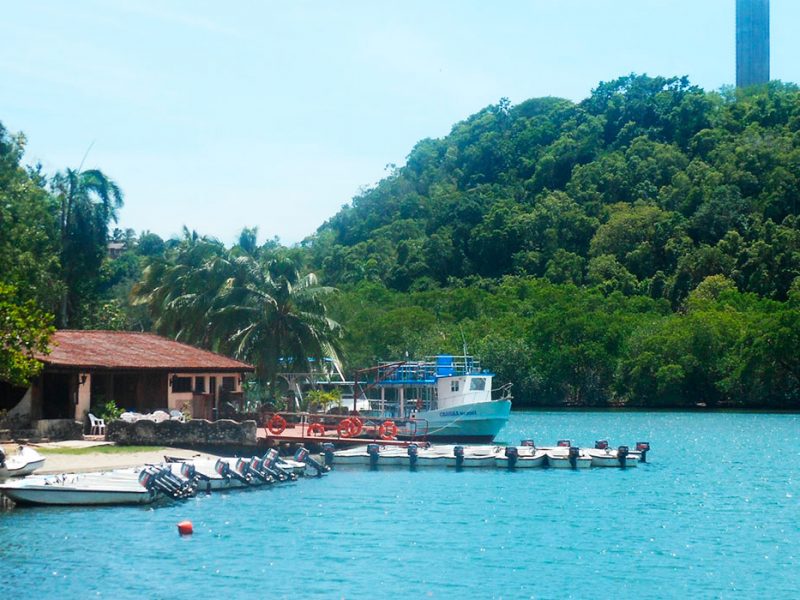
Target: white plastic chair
<point x="159" y="416"/>
<point x="98" y="426"/>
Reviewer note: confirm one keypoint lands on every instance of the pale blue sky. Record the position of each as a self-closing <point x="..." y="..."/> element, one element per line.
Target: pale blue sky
<point x="274" y="114"/>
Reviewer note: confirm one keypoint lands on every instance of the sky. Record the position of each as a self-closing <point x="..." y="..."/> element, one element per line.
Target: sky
<point x="218" y="116"/>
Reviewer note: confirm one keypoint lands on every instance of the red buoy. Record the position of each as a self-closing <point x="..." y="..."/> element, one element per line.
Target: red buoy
<point x="185" y="528"/>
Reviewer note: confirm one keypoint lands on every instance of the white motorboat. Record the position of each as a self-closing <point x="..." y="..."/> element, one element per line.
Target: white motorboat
<point x="24" y="462"/>
<point x="564" y="457"/>
<point x="521" y="457"/>
<point x="477" y="456"/>
<point x="609" y="457"/>
<point x="357" y="455"/>
<point x="371" y="454"/>
<point x="441" y="455"/>
<point x="85" y="490"/>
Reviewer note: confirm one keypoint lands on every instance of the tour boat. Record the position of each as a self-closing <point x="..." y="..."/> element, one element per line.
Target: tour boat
<point x="446" y="398"/>
<point x="24" y="462"/>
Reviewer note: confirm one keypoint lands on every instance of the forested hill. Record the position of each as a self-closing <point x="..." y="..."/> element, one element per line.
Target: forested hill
<point x="641" y="247"/>
<point x="647" y="187"/>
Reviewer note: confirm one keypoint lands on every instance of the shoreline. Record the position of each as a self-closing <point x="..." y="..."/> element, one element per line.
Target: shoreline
<point x="56" y="462"/>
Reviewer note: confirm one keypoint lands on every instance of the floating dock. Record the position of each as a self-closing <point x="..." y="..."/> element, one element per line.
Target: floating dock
<point x="564" y="455"/>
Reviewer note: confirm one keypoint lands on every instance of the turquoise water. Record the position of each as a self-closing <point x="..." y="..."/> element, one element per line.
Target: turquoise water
<point x="715" y="515"/>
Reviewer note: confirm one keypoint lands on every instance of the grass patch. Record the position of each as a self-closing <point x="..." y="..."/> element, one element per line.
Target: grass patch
<point x="100" y="450"/>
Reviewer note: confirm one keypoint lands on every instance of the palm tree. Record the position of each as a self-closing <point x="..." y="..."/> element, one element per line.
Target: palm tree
<point x="272" y="317"/>
<point x="261" y="312"/>
<point x="179" y="290"/>
<point x="89" y="202"/>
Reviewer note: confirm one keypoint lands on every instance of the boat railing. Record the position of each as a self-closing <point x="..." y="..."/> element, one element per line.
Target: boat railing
<point x="347" y="427"/>
<point x="426" y="371"/>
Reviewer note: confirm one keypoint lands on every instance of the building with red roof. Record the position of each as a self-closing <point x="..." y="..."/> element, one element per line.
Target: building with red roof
<point x="141" y="372"/>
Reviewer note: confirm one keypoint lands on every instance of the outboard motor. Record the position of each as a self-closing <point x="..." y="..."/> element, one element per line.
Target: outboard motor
<point x="512" y="454"/>
<point x="269" y="463"/>
<point x="223" y="469"/>
<point x="622" y="455"/>
<point x="327" y="451"/>
<point x="458" y="452"/>
<point x="2" y="458"/>
<point x="528" y="443"/>
<point x="189" y="472"/>
<point x="274" y="468"/>
<point x="413" y="454"/>
<point x="242" y="472"/>
<point x="574" y="453"/>
<point x="644" y="448"/>
<point x="374" y="452"/>
<point x="601" y="445"/>
<point x="167" y="483"/>
<point x="564" y="443"/>
<point x="270" y="475"/>
<point x="146" y="479"/>
<point x="185" y="487"/>
<point x="303" y="456"/>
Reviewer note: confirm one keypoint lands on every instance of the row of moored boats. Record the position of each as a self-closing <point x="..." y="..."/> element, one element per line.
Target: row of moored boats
<point x="564" y="455"/>
<point x="166" y="481"/>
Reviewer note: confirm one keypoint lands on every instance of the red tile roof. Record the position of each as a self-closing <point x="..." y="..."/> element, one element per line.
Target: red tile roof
<point x="131" y="350"/>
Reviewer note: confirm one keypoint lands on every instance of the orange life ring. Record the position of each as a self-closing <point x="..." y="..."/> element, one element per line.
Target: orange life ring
<point x="345" y="428"/>
<point x="388" y="430"/>
<point x="276" y="425"/>
<point x="317" y="429"/>
<point x="356" y="426"/>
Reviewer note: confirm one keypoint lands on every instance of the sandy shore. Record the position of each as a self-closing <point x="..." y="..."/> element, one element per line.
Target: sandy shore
<point x="97" y="461"/>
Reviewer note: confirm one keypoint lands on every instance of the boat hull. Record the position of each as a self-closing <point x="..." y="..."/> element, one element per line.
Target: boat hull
<point x="561" y="461"/>
<point x="603" y="459"/>
<point x="536" y="460"/>
<point x="475" y="423"/>
<point x="55" y="495"/>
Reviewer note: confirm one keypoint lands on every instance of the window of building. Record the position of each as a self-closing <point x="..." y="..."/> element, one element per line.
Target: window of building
<point x="454" y="385"/>
<point x="477" y="384"/>
<point x="199" y="385"/>
<point x="181" y="384"/>
<point x="229" y="384"/>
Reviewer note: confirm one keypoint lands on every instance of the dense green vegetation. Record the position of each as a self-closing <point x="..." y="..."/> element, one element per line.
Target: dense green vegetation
<point x="641" y="248"/>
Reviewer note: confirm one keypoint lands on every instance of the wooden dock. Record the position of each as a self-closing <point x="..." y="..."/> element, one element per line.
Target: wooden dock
<point x="296" y="434"/>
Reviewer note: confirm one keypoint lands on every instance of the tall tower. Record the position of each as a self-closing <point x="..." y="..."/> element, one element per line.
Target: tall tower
<point x="752" y="42"/>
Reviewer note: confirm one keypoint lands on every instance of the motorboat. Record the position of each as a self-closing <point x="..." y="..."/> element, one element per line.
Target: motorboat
<point x="526" y="456"/>
<point x="477" y="456"/>
<point x="79" y="489"/>
<point x="567" y="457"/>
<point x="24" y="462"/>
<point x="603" y="456"/>
<point x="440" y="455"/>
<point x="369" y="454"/>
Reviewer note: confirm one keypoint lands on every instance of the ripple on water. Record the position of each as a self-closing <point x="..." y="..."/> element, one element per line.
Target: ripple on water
<point x="704" y="519"/>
